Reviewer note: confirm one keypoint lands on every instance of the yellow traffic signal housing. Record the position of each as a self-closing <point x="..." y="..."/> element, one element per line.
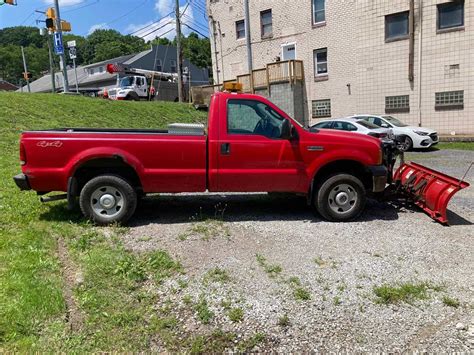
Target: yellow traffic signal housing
<point x="51" y="13"/>
<point x="65" y="26"/>
<point x="50" y="24"/>
<point x="27" y="75"/>
<point x="10" y="2"/>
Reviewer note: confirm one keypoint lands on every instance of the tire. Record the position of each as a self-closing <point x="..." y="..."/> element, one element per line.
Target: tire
<point x="108" y="199"/>
<point x="407" y="144"/>
<point x="340" y="198"/>
<point x="132" y="97"/>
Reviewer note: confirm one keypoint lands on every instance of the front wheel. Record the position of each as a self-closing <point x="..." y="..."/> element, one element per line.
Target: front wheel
<point x="108" y="199"/>
<point x="406" y="144"/>
<point x="341" y="198"/>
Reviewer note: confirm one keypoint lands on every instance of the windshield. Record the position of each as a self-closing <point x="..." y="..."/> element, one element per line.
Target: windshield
<point x="394" y="121"/>
<point x="127" y="81"/>
<point x="367" y="124"/>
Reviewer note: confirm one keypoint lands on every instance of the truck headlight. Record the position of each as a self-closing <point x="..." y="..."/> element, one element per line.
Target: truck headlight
<point x="421" y="133"/>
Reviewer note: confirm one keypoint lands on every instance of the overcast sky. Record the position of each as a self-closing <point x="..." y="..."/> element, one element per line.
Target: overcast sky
<point x="139" y="17"/>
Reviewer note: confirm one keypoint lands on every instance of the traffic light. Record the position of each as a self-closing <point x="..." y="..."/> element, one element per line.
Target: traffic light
<point x="65" y="26"/>
<point x="27" y="75"/>
<point x="51" y="19"/>
<point x="51" y="13"/>
<point x="8" y="2"/>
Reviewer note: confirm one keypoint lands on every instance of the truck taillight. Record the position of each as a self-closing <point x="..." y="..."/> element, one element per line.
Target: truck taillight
<point x="22" y="154"/>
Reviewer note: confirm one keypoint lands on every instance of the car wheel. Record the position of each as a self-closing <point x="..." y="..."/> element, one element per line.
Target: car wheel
<point x="108" y="199"/>
<point x="341" y="198"/>
<point x="406" y="144"/>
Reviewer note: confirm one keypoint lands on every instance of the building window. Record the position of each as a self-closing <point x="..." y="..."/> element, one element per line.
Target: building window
<point x="321" y="108"/>
<point x="173" y="68"/>
<point x="320" y="62"/>
<point x="319" y="11"/>
<point x="101" y="69"/>
<point x="449" y="100"/>
<point x="240" y="29"/>
<point x="396" y="26"/>
<point x="266" y="23"/>
<point x="395" y="104"/>
<point x="451" y="15"/>
<point x="159" y="65"/>
<point x="91" y="71"/>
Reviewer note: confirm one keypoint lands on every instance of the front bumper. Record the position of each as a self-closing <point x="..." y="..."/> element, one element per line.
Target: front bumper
<point x="21" y="180"/>
<point x="379" y="177"/>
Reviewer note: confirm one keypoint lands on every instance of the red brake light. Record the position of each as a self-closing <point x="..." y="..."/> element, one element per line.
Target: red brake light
<point x="22" y="154"/>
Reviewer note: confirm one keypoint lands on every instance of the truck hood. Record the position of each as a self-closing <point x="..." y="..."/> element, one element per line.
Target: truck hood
<point x="349" y="138"/>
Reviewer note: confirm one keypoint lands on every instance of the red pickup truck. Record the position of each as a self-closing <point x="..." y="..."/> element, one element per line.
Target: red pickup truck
<point x="250" y="146"/>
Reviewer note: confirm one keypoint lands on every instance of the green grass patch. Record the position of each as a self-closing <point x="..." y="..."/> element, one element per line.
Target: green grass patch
<point x="301" y="294"/>
<point x="203" y="312"/>
<point x="236" y="314"/>
<point x="216" y="275"/>
<point x="405" y="292"/>
<point x="456" y="145"/>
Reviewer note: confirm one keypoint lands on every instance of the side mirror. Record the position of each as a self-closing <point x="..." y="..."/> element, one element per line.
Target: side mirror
<point x="287" y="130"/>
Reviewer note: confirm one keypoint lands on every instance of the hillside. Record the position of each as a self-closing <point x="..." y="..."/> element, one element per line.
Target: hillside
<point x="41" y="111"/>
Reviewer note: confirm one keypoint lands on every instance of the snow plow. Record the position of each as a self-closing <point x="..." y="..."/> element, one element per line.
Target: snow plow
<point x="429" y="189"/>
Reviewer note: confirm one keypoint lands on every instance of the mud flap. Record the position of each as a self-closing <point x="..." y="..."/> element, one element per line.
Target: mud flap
<point x="429" y="189"/>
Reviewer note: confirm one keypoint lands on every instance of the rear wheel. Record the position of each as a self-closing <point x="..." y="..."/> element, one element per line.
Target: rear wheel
<point x="341" y="198"/>
<point x="108" y="199"/>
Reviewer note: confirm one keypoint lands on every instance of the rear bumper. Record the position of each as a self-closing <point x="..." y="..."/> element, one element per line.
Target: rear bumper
<point x="379" y="177"/>
<point x="21" y="180"/>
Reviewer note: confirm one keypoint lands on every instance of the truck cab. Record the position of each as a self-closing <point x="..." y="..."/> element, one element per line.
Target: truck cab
<point x="131" y="87"/>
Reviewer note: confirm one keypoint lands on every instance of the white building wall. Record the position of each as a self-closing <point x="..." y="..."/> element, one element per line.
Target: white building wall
<point x="358" y="55"/>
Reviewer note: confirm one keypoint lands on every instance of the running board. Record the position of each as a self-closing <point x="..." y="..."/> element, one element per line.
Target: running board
<point x="429" y="189"/>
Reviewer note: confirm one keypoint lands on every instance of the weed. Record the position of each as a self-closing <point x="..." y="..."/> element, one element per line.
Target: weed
<point x="337" y="301"/>
<point x="250" y="343"/>
<point x="203" y="312"/>
<point x="187" y="300"/>
<point x="144" y="239"/>
<point x="182" y="284"/>
<point x="294" y="281"/>
<point x="207" y="229"/>
<point x="451" y="302"/>
<point x="236" y="314"/>
<point x="216" y="275"/>
<point x="320" y="261"/>
<point x="271" y="270"/>
<point x="301" y="294"/>
<point x="406" y="292"/>
<point x="226" y="304"/>
<point x="341" y="288"/>
<point x="284" y="321"/>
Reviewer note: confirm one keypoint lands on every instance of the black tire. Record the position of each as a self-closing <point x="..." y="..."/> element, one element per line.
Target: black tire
<point x="132" y="97"/>
<point x="104" y="191"/>
<point x="340" y="198"/>
<point x="406" y="144"/>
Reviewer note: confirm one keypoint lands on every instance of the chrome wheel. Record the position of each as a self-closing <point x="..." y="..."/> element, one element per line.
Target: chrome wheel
<point x="107" y="201"/>
<point x="342" y="198"/>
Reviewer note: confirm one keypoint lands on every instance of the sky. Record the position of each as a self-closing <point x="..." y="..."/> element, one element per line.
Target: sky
<point x="143" y="18"/>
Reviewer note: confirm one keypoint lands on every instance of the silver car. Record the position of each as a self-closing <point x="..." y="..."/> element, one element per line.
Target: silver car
<point x="356" y="126"/>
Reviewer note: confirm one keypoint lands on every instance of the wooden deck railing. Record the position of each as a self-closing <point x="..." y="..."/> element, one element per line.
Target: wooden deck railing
<point x="289" y="71"/>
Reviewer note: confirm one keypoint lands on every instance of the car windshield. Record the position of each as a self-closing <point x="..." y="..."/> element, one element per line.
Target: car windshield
<point x="367" y="124"/>
<point x="127" y="81"/>
<point x="394" y="121"/>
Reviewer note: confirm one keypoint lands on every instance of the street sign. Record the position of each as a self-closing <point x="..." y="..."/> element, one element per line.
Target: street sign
<point x="72" y="52"/>
<point x="71" y="44"/>
<point x="58" y="43"/>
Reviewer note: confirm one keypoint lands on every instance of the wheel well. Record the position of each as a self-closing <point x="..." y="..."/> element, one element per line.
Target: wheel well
<point x="102" y="166"/>
<point x="342" y="166"/>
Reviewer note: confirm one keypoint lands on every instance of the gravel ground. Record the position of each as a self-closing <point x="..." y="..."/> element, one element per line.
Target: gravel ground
<point x="335" y="265"/>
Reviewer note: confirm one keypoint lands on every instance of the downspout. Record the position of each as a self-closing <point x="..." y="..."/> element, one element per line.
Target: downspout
<point x="420" y="47"/>
<point x="248" y="42"/>
<point x="411" y="51"/>
<point x="222" y="53"/>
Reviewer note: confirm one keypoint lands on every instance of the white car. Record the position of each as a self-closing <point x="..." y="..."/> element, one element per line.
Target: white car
<point x="357" y="126"/>
<point x="409" y="136"/>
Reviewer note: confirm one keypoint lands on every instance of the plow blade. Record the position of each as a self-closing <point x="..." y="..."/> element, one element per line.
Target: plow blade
<point x="429" y="189"/>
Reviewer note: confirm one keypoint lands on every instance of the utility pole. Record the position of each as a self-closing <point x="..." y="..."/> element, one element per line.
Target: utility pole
<point x="25" y="68"/>
<point x="179" y="61"/>
<point x="51" y="64"/>
<point x="248" y="41"/>
<point x="62" y="56"/>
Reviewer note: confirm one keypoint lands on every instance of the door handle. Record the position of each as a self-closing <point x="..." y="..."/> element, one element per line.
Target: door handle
<point x="225" y="148"/>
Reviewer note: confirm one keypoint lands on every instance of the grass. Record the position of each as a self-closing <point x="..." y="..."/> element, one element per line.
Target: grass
<point x="271" y="269"/>
<point x="217" y="275"/>
<point x="405" y="292"/>
<point x="456" y="145"/>
<point x="451" y="302"/>
<point x="284" y="321"/>
<point x="206" y="229"/>
<point x="112" y="298"/>
<point x="301" y="294"/>
<point x="203" y="312"/>
<point x="236" y="314"/>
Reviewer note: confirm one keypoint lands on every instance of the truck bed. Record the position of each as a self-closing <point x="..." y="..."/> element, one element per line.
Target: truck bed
<point x="165" y="162"/>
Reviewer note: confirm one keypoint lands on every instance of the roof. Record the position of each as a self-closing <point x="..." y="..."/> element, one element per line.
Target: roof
<point x="121" y="59"/>
<point x="7" y="86"/>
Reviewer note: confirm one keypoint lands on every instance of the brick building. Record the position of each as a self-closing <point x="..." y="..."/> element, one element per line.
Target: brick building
<point x="357" y="54"/>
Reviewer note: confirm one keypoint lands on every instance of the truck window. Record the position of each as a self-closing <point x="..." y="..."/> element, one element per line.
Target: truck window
<point x="253" y="117"/>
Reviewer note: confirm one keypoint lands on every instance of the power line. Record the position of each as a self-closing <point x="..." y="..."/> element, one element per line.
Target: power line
<point x="145" y="27"/>
<point x="81" y="7"/>
<point x="26" y="19"/>
<point x="197" y="24"/>
<point x="203" y="35"/>
<point x="157" y="29"/>
<point x="128" y="13"/>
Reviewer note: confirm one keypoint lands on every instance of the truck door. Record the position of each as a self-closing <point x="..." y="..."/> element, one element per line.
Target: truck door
<point x="141" y="86"/>
<point x="252" y="156"/>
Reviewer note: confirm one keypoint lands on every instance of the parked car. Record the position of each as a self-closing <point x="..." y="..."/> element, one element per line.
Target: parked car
<point x="357" y="126"/>
<point x="409" y="136"/>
